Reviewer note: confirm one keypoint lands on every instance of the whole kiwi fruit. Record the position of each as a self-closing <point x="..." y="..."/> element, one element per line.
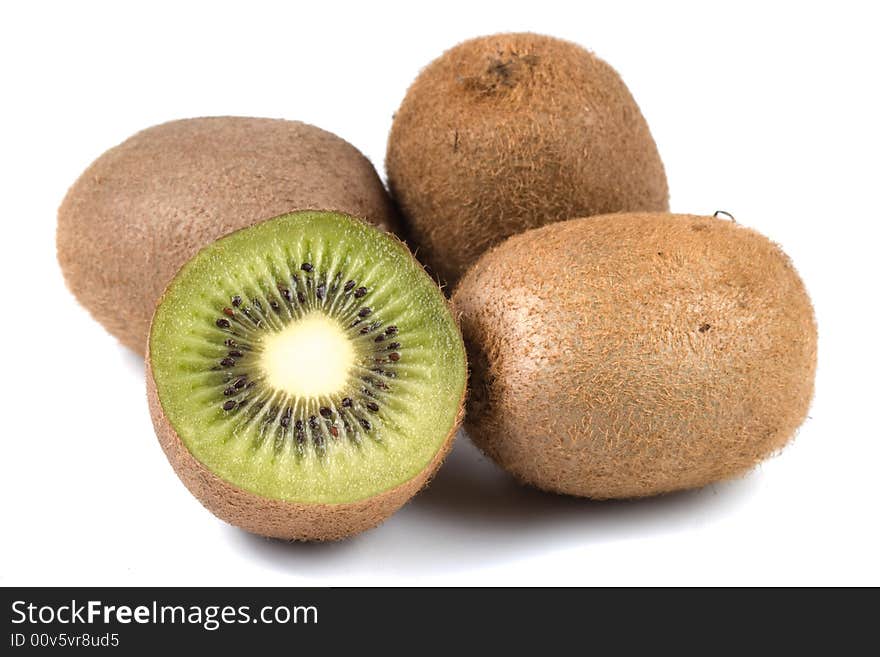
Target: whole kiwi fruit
<point x="305" y="376"/>
<point x="628" y="355"/>
<point x="509" y="132"/>
<point x="146" y="206"/>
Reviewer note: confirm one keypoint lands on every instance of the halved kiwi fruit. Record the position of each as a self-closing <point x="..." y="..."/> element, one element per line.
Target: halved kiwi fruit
<point x="305" y="376"/>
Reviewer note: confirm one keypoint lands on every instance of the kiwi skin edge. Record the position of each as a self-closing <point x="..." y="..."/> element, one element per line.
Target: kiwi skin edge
<point x="278" y="518"/>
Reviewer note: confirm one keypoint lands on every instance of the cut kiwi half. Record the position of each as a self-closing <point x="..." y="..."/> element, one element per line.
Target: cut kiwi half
<point x="305" y="376"/>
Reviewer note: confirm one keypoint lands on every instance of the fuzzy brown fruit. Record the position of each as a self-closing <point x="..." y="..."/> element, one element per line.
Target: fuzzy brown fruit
<point x="635" y="354"/>
<point x="146" y="206"/>
<point x="509" y="132"/>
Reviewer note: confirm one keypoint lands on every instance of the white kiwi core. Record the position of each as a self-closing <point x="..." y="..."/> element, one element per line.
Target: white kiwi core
<point x="309" y="358"/>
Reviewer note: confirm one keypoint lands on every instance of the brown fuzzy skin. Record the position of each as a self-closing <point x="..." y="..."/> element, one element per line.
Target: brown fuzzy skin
<point x="146" y="206"/>
<point x="278" y="518"/>
<point x="635" y="354"/>
<point x="513" y="131"/>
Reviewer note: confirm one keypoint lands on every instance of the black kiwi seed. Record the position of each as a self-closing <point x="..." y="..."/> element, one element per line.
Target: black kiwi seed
<point x="327" y="420"/>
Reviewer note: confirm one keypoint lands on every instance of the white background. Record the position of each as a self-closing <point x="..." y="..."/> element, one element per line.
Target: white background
<point x="767" y="110"/>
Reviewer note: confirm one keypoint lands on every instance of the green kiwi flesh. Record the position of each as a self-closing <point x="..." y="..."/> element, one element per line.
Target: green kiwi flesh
<point x="308" y="359"/>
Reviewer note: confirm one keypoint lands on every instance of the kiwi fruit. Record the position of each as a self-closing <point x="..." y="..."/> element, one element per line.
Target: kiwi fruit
<point x="513" y="131"/>
<point x="305" y="376"/>
<point x="634" y="354"/>
<point x="145" y="207"/>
